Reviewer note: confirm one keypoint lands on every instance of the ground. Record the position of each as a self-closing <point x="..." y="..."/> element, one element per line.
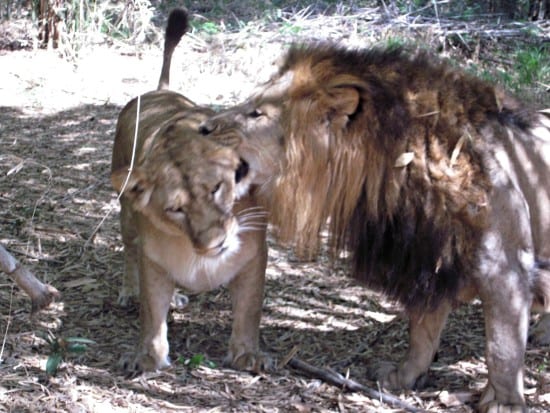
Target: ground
<point x="58" y="215"/>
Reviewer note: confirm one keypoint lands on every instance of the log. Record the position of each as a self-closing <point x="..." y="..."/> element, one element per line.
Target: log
<point x="41" y="294"/>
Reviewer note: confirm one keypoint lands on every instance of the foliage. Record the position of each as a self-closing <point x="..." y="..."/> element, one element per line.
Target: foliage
<point x="60" y="348"/>
<point x="196" y="361"/>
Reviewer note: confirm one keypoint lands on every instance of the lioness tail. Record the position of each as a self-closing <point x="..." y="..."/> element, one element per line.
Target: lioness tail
<point x="177" y="26"/>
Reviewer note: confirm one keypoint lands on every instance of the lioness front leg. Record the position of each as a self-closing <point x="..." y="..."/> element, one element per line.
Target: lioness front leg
<point x="156" y="290"/>
<point x="129" y="289"/>
<point x="424" y="333"/>
<point x="247" y="291"/>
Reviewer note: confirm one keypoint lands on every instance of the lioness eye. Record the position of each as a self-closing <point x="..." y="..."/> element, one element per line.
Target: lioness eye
<point x="216" y="188"/>
<point x="256" y="113"/>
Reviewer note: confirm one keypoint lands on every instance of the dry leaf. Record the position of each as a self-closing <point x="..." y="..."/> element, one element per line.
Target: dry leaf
<point x="454" y="399"/>
<point x="404" y="159"/>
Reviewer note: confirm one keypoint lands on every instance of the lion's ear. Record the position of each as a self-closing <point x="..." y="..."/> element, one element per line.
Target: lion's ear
<point x="138" y="188"/>
<point x="344" y="100"/>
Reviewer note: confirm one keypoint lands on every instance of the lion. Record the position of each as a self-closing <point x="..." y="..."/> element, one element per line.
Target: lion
<point x="436" y="182"/>
<point x="189" y="217"/>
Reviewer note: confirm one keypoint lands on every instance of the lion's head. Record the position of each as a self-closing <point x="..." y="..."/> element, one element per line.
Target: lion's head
<point x="185" y="183"/>
<point x="303" y="127"/>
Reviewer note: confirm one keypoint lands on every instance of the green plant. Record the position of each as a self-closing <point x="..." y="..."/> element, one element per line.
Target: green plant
<point x="543" y="365"/>
<point x="196" y="361"/>
<point x="532" y="64"/>
<point x="207" y="27"/>
<point x="60" y="348"/>
<point x="289" y="28"/>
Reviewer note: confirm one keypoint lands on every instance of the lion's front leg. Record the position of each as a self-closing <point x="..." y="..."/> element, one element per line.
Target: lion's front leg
<point x="504" y="280"/>
<point x="424" y="334"/>
<point x="156" y="290"/>
<point x="506" y="325"/>
<point x="506" y="335"/>
<point x="247" y="292"/>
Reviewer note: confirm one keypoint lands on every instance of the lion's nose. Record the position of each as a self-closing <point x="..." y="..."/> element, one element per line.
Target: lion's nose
<point x="207" y="127"/>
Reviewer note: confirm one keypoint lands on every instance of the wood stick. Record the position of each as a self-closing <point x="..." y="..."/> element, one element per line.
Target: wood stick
<point x="335" y="378"/>
<point x="41" y="294"/>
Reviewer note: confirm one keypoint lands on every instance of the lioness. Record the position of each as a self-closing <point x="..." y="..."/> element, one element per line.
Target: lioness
<point x="188" y="217"/>
<point x="438" y="183"/>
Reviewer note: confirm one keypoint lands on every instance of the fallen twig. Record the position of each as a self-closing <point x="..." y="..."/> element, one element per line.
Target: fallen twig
<point x="335" y="378"/>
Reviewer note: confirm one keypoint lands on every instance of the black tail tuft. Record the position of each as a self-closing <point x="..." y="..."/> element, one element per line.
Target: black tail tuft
<point x="178" y="23"/>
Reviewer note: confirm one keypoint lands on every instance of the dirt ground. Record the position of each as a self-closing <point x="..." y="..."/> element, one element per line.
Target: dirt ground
<point x="57" y="122"/>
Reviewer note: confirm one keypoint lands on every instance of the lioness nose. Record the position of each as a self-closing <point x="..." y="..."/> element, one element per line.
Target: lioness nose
<point x="207" y="127"/>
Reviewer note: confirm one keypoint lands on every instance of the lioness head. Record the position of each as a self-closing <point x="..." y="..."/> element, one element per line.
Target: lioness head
<point x="187" y="184"/>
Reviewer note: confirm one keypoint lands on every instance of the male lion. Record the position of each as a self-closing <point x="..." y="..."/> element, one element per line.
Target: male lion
<point x="180" y="218"/>
<point x="438" y="184"/>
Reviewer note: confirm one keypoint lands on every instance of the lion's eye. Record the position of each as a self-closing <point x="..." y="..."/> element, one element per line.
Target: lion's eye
<point x="175" y="210"/>
<point x="256" y="113"/>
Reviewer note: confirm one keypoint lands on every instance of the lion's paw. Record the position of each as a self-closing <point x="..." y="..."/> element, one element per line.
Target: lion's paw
<point x="250" y="361"/>
<point x="387" y="375"/>
<point x="489" y="404"/>
<point x="392" y="377"/>
<point x="133" y="364"/>
<point x="495" y="407"/>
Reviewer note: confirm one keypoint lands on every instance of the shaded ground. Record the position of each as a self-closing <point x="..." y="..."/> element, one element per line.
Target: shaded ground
<point x="56" y="128"/>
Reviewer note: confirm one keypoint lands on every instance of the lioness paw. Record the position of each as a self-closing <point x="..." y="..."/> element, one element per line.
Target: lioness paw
<point x="179" y="301"/>
<point x="133" y="364"/>
<point x="126" y="301"/>
<point x="250" y="361"/>
<point x="540" y="334"/>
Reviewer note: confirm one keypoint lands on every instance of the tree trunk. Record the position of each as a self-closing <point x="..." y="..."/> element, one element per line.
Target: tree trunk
<point x="506" y="7"/>
<point x="49" y="22"/>
<point x="539" y="9"/>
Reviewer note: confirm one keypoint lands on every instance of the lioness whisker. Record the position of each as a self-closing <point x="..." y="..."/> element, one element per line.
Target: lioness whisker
<point x="257" y="208"/>
<point x="251" y="218"/>
<point x="250" y="229"/>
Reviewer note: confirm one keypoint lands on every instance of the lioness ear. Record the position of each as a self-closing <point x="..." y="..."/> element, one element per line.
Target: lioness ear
<point x="138" y="188"/>
<point x="224" y="156"/>
<point x="228" y="139"/>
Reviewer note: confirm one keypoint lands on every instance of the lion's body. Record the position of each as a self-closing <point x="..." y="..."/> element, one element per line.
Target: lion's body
<point x="188" y="218"/>
<point x="438" y="184"/>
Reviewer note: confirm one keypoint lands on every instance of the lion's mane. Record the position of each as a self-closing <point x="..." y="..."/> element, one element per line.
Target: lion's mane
<point x="396" y="167"/>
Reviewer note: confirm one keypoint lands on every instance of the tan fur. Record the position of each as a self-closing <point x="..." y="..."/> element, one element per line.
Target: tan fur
<point x="189" y="218"/>
<point x="437" y="183"/>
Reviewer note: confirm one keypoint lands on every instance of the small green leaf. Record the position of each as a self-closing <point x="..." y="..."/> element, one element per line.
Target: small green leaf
<point x="196" y="360"/>
<point x="76" y="348"/>
<point x="53" y="363"/>
<point x="80" y="340"/>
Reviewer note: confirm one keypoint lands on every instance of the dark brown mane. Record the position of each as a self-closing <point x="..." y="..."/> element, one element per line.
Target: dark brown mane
<point x="412" y="228"/>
